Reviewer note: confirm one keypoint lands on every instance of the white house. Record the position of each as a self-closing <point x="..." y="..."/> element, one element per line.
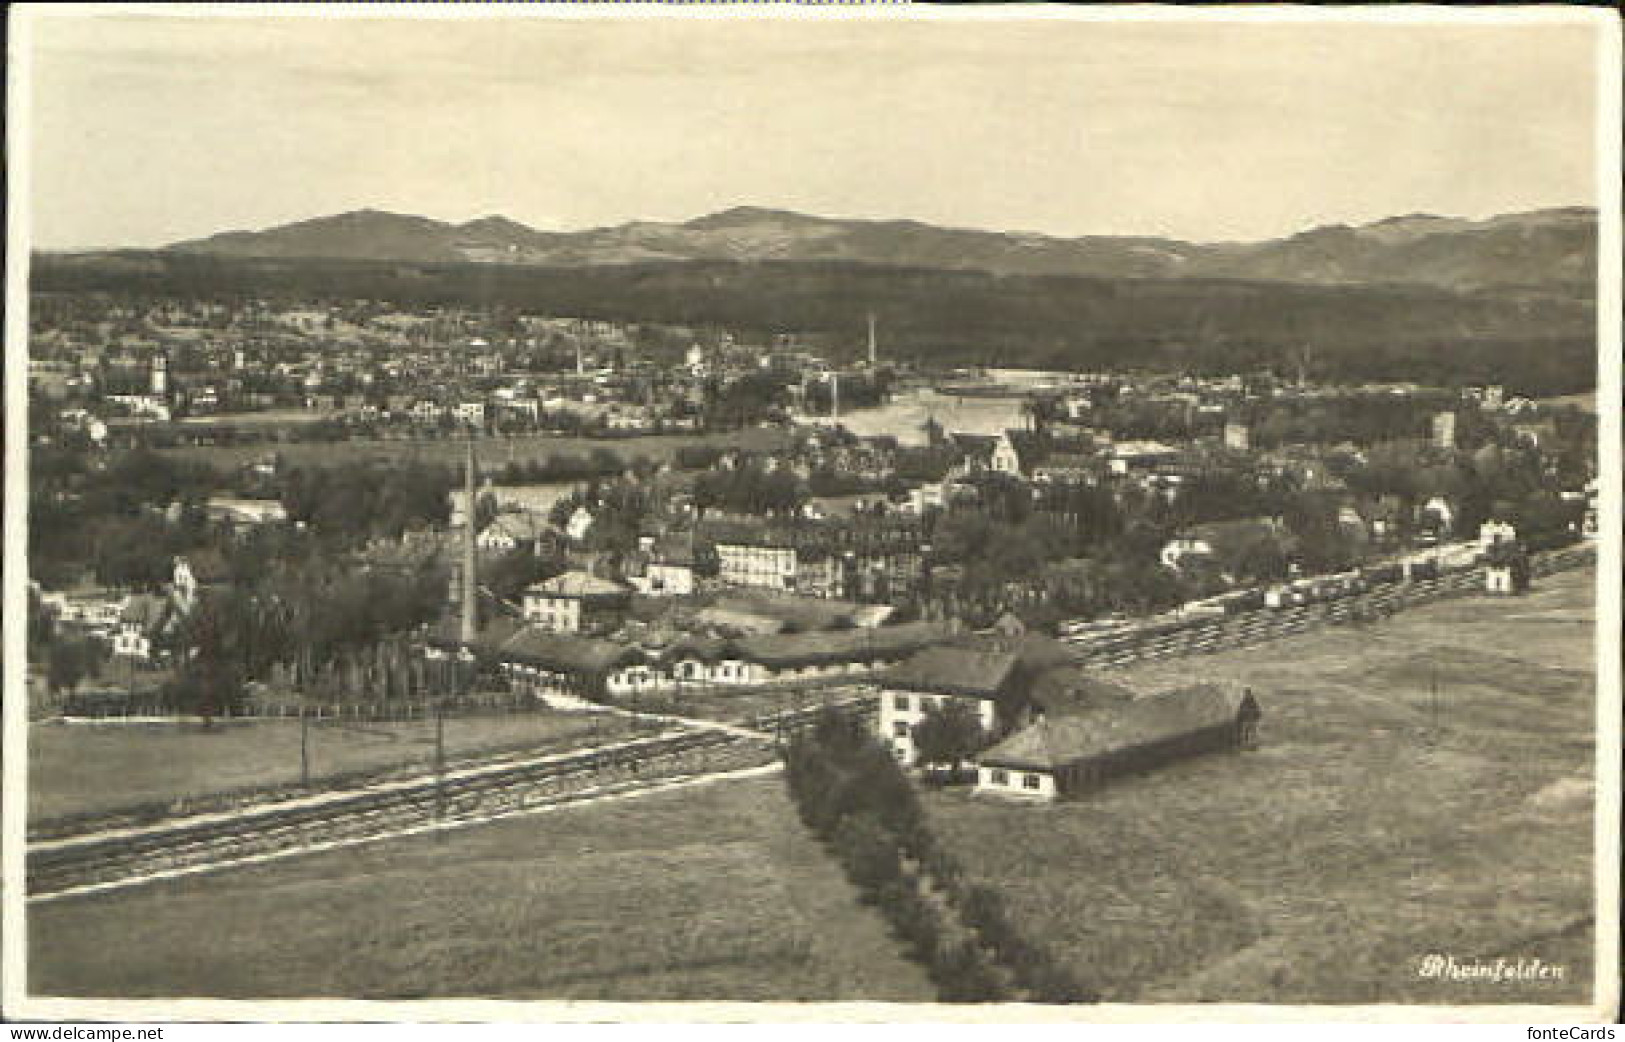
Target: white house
<point x="510" y="531"/>
<point x="1176" y="550"/>
<point x="1005" y="458"/>
<point x="573" y="602"/>
<point x="579" y="524"/>
<point x="1493" y="531"/>
<point x="933" y="678"/>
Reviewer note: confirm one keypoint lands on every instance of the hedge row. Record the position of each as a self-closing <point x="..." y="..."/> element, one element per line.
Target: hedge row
<point x="849" y="790"/>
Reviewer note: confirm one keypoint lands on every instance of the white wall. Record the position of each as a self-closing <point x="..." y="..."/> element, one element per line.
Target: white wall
<point x="892" y="714"/>
<point x="1001" y="781"/>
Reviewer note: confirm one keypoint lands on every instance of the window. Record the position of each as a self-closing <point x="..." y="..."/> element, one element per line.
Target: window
<point x="1031" y="781"/>
<point x="902" y="702"/>
<point x="900" y="729"/>
<point x="1001" y="777"/>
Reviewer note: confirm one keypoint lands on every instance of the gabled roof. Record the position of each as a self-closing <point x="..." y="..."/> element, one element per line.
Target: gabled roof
<point x="955" y="671"/>
<point x="564" y="652"/>
<point x="1068" y="690"/>
<point x="576" y="584"/>
<point x="521" y="527"/>
<point x="145" y="611"/>
<point x="738" y="621"/>
<point x="840" y="645"/>
<point x="1059" y="741"/>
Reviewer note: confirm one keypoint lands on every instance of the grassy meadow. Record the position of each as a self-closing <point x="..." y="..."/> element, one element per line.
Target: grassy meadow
<point x="84" y="768"/>
<point x="1373" y="826"/>
<point x="711" y="892"/>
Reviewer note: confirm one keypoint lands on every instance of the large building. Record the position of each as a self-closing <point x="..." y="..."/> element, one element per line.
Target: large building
<point x="1067" y="755"/>
<point x="1007" y="680"/>
<point x="576" y="602"/>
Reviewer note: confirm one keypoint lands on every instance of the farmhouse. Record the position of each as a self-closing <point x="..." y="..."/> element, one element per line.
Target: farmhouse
<point x="1066" y="755"/>
<point x="935" y="677"/>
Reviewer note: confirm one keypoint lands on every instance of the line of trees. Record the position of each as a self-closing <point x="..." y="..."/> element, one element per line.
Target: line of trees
<point x="851" y="793"/>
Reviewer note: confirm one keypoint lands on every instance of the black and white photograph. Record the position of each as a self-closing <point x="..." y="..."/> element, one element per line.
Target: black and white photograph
<point x="1028" y="511"/>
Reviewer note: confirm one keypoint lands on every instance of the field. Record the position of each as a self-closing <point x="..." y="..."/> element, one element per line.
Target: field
<point x="493" y="452"/>
<point x="714" y="892"/>
<point x="1369" y="830"/>
<point x="87" y="768"/>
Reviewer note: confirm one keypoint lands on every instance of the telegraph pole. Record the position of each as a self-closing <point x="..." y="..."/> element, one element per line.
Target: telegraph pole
<point x="304" y="744"/>
<point x="440" y="758"/>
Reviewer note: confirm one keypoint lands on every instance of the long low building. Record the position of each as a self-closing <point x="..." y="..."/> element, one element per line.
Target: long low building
<point x="1066" y="755"/>
<point x="543" y="661"/>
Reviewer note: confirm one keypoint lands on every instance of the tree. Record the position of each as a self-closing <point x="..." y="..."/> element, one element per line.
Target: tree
<point x="67" y="664"/>
<point x="949" y="735"/>
<point x="868" y="850"/>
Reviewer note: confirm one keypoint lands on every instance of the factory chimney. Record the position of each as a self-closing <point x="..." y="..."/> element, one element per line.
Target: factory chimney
<point x="470" y="627"/>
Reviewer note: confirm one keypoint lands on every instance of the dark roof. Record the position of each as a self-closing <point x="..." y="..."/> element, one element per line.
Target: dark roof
<point x="955" y="671"/>
<point x="1034" y="652"/>
<point x="691" y="645"/>
<point x="840" y="645"/>
<point x="1065" y="690"/>
<point x="145" y="611"/>
<point x="1059" y="741"/>
<point x="579" y="585"/>
<point x="567" y="653"/>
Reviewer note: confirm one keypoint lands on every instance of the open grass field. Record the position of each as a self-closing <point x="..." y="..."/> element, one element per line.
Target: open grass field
<point x="1356" y="840"/>
<point x="493" y="452"/>
<point x="90" y="768"/>
<point x="712" y="892"/>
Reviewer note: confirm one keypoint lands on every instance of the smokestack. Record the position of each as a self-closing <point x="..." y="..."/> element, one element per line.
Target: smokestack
<point x="873" y="353"/>
<point x="470" y="626"/>
<point x="835" y="395"/>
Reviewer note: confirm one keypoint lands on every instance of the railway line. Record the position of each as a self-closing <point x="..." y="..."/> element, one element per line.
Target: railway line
<point x="687" y="750"/>
<point x="1267" y="624"/>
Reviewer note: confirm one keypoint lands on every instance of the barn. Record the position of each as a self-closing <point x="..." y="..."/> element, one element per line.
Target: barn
<point x="1063" y="755"/>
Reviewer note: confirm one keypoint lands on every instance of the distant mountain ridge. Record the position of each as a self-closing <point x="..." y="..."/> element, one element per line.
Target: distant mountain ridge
<point x="1554" y="248"/>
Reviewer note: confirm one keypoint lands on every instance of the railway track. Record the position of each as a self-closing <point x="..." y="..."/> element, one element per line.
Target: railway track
<point x="97" y="859"/>
<point x="104" y="858"/>
<point x="87" y="861"/>
<point x="1264" y="625"/>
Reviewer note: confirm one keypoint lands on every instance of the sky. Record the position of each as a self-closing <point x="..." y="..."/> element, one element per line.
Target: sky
<point x="148" y="129"/>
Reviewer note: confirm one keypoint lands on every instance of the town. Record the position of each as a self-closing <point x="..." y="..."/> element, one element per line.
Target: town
<point x="271" y="509"/>
<point x="1083" y="518"/>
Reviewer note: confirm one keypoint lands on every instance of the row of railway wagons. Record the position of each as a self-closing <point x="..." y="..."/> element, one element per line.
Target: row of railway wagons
<point x="1117" y="631"/>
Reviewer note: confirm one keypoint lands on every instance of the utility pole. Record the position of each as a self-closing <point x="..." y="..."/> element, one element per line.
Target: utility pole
<point x="1433" y="706"/>
<point x="304" y="745"/>
<point x="440" y="758"/>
